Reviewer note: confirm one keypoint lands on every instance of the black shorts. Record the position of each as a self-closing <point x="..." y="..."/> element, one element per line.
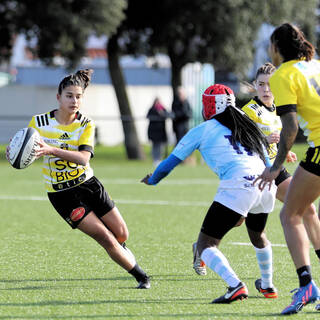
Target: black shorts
<point x="75" y="203"/>
<point x="221" y="219"/>
<point x="282" y="176"/>
<point x="311" y="161"/>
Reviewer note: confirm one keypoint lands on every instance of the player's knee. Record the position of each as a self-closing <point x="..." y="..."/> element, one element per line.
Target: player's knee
<point x="260" y="241"/>
<point x="310" y="212"/>
<point x="123" y="235"/>
<point x="106" y="240"/>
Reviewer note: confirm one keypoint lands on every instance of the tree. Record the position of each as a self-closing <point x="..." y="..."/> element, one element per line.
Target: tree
<point x="63" y="27"/>
<point x="8" y="29"/>
<point x="133" y="147"/>
<point x="220" y="32"/>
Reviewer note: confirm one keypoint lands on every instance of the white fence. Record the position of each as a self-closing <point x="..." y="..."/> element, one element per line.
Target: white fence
<point x="19" y="103"/>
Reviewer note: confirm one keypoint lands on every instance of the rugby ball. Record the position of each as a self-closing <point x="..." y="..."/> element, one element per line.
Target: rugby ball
<point x="21" y="151"/>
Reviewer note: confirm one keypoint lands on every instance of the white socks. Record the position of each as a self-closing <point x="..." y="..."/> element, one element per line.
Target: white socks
<point x="264" y="257"/>
<point x="217" y="262"/>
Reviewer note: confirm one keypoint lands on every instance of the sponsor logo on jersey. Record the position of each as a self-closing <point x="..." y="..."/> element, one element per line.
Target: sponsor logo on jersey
<point x="64" y="136"/>
<point x="64" y="146"/>
<point x="77" y="213"/>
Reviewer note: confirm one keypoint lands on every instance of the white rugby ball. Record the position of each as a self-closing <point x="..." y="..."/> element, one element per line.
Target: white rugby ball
<point x="22" y="148"/>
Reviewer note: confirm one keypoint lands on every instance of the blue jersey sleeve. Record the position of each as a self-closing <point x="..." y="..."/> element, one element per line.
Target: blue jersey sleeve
<point x="189" y="143"/>
<point x="164" y="169"/>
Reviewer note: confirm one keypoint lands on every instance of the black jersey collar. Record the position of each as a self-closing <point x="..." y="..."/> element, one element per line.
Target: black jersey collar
<point x="260" y="103"/>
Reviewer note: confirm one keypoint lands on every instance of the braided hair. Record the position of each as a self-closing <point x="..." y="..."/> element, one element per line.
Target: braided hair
<point x="291" y="43"/>
<point x="244" y="131"/>
<point x="81" y="78"/>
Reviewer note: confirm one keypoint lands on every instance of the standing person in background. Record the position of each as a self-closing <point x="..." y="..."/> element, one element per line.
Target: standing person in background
<point x="157" y="134"/>
<point x="182" y="113"/>
<point x="235" y="149"/>
<point x="262" y="111"/>
<point x="67" y="145"/>
<point x="296" y="87"/>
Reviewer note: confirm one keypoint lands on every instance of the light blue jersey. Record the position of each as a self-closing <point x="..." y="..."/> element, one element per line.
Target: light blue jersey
<point x="213" y="140"/>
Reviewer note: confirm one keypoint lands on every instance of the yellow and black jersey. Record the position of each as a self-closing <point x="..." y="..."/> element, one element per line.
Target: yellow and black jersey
<point x="296" y="87"/>
<point x="265" y="118"/>
<point x="60" y="174"/>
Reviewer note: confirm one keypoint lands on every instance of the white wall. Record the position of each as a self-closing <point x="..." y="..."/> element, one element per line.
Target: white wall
<point x="19" y="103"/>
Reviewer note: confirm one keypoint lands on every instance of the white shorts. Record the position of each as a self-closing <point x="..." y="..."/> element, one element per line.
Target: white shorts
<point x="242" y="197"/>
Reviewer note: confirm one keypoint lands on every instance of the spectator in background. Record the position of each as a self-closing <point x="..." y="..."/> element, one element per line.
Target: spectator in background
<point x="182" y="113"/>
<point x="157" y="116"/>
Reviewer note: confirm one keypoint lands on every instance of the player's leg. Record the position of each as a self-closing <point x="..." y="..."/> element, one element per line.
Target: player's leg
<point x="116" y="224"/>
<point x="93" y="226"/>
<point x="310" y="215"/>
<point x="218" y="221"/>
<point x="96" y="229"/>
<point x="198" y="264"/>
<point x="255" y="224"/>
<point x="304" y="189"/>
<point x="104" y="208"/>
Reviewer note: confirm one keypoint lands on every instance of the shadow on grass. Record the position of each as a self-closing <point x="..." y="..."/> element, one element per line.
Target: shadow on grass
<point x="62" y="280"/>
<point x="158" y="277"/>
<point x="164" y="302"/>
<point x="220" y="315"/>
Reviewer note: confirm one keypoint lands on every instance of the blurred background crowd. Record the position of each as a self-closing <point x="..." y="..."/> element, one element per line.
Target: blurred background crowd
<point x="151" y="60"/>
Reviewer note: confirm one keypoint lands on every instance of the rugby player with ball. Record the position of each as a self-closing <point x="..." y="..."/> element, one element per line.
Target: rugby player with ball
<point x="66" y="142"/>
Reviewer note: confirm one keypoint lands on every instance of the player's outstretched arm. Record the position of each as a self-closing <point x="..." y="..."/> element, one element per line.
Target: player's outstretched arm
<point x="162" y="170"/>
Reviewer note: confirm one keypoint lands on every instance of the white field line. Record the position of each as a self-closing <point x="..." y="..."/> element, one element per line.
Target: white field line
<point x="124" y="201"/>
<point x="125" y="181"/>
<point x="212" y="181"/>
<point x="250" y="244"/>
<point x="139" y="202"/>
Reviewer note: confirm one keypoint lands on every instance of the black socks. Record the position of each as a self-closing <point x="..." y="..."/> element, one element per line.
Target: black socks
<point x="304" y="274"/>
<point x="138" y="273"/>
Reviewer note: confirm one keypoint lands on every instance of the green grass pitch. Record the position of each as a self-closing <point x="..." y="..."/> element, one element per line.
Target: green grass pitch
<point x="48" y="271"/>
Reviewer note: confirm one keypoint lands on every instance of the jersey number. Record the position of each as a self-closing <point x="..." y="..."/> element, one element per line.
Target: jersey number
<point x="236" y="147"/>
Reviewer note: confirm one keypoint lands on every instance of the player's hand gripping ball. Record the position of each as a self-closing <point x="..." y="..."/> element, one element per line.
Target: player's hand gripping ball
<point x="21" y="151"/>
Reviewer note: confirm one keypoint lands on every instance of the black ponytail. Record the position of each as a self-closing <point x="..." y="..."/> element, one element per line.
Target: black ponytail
<point x="244" y="131"/>
<point x="291" y="43"/>
<point x="81" y="78"/>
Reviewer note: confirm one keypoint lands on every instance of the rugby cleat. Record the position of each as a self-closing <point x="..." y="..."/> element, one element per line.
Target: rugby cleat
<point x="270" y="293"/>
<point x="238" y="292"/>
<point x="303" y="296"/>
<point x="198" y="265"/>
<point x="144" y="283"/>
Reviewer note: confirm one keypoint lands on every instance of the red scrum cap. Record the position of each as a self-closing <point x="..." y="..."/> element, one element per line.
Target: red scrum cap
<point x="215" y="99"/>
